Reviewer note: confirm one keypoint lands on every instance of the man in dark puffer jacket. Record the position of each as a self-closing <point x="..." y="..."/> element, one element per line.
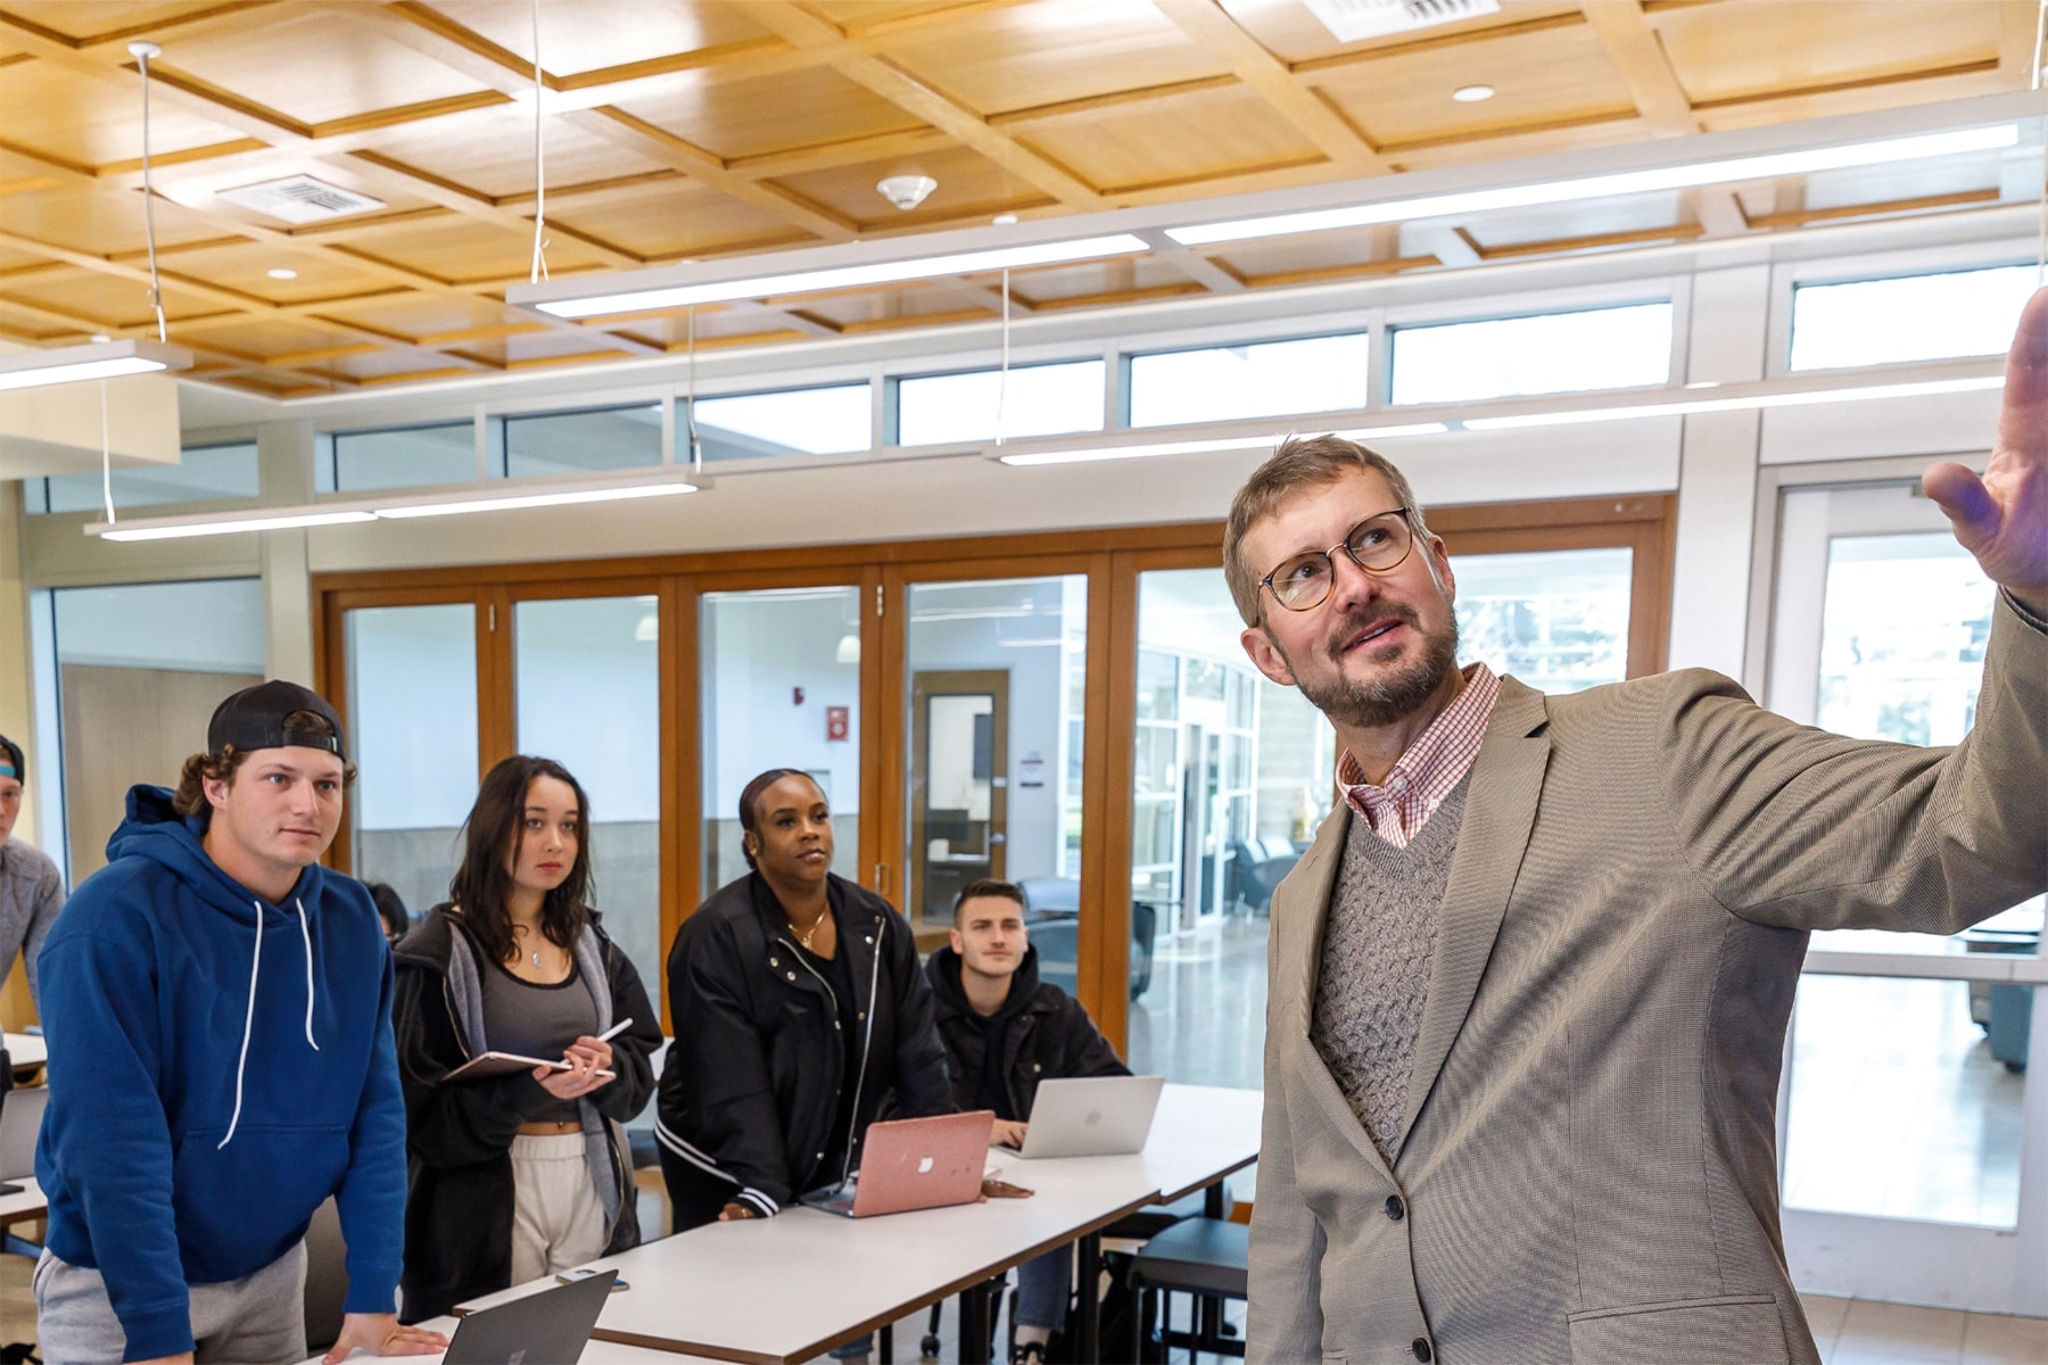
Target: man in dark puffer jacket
<point x="1005" y="1031"/>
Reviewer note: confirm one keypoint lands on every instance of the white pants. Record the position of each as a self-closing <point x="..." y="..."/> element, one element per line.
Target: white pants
<point x="557" y="1221"/>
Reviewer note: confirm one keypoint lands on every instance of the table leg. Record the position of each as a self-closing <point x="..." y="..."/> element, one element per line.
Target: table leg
<point x="974" y="1325"/>
<point x="1088" y="1277"/>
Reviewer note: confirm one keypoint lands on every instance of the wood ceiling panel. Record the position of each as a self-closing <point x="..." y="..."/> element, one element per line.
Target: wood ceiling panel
<point x="422" y="317"/>
<point x="1363" y="251"/>
<point x="463" y="250"/>
<point x="1292" y="32"/>
<point x="244" y="267"/>
<point x="68" y="115"/>
<point x="91" y="21"/>
<point x="899" y="307"/>
<point x="1025" y="56"/>
<point x="1550" y="77"/>
<point x="363" y="70"/>
<point x="540" y="348"/>
<point x="107" y="299"/>
<point x="770" y="114"/>
<point x="1760" y="47"/>
<point x="677" y="219"/>
<point x="79" y="218"/>
<point x="398" y="365"/>
<point x="1605" y="129"/>
<point x="1105" y="280"/>
<point x="1134" y="148"/>
<point x="491" y="151"/>
<point x="286" y="338"/>
<point x="1858" y="99"/>
<point x="571" y="43"/>
<point x="970" y="186"/>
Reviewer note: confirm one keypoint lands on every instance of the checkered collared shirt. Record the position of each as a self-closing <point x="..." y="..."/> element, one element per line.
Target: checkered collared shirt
<point x="1430" y="769"/>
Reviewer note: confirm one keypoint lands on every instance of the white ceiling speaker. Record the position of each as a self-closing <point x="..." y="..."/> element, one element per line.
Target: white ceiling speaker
<point x="906" y="192"/>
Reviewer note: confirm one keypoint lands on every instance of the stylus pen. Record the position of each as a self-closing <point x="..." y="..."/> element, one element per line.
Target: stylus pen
<point x="615" y="1030"/>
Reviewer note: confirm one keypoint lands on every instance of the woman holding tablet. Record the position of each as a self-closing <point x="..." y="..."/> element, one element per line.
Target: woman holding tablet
<point x="516" y="1174"/>
<point x="798" y="1007"/>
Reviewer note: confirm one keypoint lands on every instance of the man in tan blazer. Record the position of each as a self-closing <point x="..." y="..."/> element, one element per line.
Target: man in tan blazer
<point x="1530" y="985"/>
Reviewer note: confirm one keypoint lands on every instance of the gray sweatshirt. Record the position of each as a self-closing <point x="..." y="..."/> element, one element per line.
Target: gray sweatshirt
<point x="31" y="894"/>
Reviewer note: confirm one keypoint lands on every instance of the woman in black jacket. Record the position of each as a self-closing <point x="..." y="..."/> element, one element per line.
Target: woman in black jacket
<point x="798" y="1006"/>
<point x="512" y="1176"/>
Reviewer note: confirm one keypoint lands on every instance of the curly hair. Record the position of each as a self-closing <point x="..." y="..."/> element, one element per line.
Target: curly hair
<point x="199" y="769"/>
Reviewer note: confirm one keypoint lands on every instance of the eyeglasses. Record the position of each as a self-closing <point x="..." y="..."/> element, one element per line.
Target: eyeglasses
<point x="1378" y="545"/>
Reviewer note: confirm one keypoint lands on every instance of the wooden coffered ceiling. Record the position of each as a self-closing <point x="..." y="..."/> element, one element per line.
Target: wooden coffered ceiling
<point x="695" y="129"/>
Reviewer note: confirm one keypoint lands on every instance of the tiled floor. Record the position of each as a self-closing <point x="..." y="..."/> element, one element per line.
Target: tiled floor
<point x="1860" y="1332"/>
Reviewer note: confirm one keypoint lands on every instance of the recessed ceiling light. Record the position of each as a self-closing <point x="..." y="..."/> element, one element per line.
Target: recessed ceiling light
<point x="282" y="272"/>
<point x="1472" y="94"/>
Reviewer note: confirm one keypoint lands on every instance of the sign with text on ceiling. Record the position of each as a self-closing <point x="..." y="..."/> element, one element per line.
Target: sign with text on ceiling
<point x="838" y="722"/>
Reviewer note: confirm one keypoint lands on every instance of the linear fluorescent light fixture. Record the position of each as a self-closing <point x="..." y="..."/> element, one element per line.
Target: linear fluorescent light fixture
<point x="682" y="295"/>
<point x="436" y="505"/>
<point x="1686" y="407"/>
<point x="1022" y="458"/>
<point x="100" y="360"/>
<point x="1761" y="167"/>
<point x="179" y="528"/>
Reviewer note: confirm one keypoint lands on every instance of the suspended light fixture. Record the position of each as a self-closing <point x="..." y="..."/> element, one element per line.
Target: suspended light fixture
<point x="100" y="360"/>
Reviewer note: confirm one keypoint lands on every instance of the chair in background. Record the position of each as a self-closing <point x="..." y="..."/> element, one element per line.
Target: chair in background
<point x="1052" y="912"/>
<point x="1257" y="867"/>
<point x="1204" y="1257"/>
<point x="326" y="1278"/>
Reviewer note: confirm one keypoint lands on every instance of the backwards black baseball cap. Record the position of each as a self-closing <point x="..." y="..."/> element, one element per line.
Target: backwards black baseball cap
<point x="254" y="718"/>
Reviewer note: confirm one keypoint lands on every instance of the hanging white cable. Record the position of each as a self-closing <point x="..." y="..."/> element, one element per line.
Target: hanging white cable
<point x="539" y="269"/>
<point x="2041" y="238"/>
<point x="143" y="52"/>
<point x="1003" y="374"/>
<point x="690" y="395"/>
<point x="106" y="459"/>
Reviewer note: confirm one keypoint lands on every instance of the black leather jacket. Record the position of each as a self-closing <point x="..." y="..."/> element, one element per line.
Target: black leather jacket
<point x="751" y="1087"/>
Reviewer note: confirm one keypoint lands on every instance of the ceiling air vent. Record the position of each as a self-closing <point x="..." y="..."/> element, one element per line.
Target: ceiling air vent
<point x="300" y="199"/>
<point x="1351" y="20"/>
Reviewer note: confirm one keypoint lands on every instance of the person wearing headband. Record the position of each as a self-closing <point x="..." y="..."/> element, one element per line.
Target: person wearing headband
<point x="218" y="1012"/>
<point x="31" y="890"/>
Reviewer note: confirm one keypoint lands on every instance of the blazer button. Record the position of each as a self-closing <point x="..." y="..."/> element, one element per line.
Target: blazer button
<point x="1420" y="1349"/>
<point x="1396" y="1210"/>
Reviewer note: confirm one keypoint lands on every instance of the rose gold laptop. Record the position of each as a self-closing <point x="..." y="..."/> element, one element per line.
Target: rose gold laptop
<point x="914" y="1164"/>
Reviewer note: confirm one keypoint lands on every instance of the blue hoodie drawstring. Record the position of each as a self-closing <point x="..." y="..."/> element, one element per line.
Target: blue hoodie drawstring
<point x="306" y="932"/>
<point x="248" y="1027"/>
<point x="249" y="1016"/>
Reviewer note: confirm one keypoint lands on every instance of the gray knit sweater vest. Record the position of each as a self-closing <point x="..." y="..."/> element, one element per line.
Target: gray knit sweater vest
<point x="1374" y="974"/>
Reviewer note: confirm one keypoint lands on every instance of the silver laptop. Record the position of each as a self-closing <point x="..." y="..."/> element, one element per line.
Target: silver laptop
<point x="548" y="1328"/>
<point x="1092" y="1116"/>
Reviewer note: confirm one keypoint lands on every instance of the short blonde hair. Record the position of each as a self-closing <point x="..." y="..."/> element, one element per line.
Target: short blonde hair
<point x="1300" y="462"/>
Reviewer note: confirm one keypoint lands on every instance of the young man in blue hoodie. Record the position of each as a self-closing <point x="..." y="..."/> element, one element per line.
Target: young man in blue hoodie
<point x="218" y="1011"/>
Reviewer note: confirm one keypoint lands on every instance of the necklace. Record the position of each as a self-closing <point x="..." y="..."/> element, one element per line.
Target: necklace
<point x="519" y="932"/>
<point x="803" y="936"/>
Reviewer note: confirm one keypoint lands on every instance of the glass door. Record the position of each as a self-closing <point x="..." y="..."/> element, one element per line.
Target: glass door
<point x="411" y="705"/>
<point x="1911" y="1143"/>
<point x="586" y="678"/>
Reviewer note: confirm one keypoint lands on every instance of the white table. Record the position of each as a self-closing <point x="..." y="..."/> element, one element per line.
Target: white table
<point x="26" y="1052"/>
<point x="596" y="1353"/>
<point x="20" y="1208"/>
<point x="706" y="1292"/>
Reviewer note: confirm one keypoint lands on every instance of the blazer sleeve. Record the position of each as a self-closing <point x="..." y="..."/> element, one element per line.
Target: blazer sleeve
<point x="1284" y="1314"/>
<point x="1797" y="828"/>
<point x="923" y="1083"/>
<point x="724" y="1061"/>
<point x="633" y="1050"/>
<point x="456" y="1123"/>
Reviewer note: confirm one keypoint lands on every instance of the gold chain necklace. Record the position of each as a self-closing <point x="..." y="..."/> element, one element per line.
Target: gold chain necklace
<point x="803" y="936"/>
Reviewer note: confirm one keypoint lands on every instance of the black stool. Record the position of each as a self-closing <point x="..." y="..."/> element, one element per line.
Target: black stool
<point x="1204" y="1257"/>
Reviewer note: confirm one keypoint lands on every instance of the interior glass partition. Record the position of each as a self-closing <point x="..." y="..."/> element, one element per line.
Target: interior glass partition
<point x="779" y="677"/>
<point x="995" y="674"/>
<point x="412" y="718"/>
<point x="587" y="687"/>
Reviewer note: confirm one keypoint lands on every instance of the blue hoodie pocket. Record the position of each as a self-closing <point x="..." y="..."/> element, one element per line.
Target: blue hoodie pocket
<point x="241" y="1207"/>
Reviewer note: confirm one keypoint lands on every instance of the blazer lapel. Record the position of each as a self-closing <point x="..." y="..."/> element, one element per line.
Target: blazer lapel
<point x="1500" y="809"/>
<point x="1301" y="912"/>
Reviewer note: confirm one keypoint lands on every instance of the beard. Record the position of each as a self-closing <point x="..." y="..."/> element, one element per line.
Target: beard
<point x="1393" y="695"/>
